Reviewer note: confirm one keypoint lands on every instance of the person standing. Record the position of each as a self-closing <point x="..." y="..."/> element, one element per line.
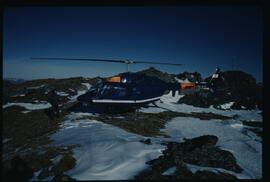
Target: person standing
<point x="214" y="82"/>
<point x="54" y="100"/>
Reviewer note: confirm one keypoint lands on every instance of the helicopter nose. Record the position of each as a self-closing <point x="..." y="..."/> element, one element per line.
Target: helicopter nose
<point x="86" y="103"/>
<point x="80" y="98"/>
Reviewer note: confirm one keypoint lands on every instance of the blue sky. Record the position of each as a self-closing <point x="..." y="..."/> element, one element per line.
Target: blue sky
<point x="200" y="37"/>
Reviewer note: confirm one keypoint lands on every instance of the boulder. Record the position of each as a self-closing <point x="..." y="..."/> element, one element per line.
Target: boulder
<point x="199" y="151"/>
<point x="19" y="170"/>
<point x="66" y="163"/>
<point x="236" y="86"/>
<point x="160" y="75"/>
<point x="203" y="175"/>
<point x="147" y="141"/>
<point x="62" y="177"/>
<point x="202" y="98"/>
<point x="45" y="173"/>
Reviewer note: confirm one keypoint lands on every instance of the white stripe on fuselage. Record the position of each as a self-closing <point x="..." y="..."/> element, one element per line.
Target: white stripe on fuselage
<point x="124" y="101"/>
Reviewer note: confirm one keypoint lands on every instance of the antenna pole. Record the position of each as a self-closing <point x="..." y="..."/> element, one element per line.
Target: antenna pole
<point x="128" y="62"/>
<point x="232" y="63"/>
<point x="128" y="67"/>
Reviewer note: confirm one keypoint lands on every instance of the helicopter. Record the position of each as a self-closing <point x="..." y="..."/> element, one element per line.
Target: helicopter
<point x="122" y="93"/>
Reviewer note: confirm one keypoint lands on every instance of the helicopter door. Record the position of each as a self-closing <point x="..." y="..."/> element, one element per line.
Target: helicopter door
<point x="124" y="92"/>
<point x="108" y="91"/>
<point x="128" y="91"/>
<point x="111" y="92"/>
<point x="121" y="92"/>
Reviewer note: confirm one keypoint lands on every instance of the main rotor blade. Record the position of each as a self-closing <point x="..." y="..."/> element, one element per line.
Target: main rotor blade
<point x="80" y="59"/>
<point x="158" y="63"/>
<point x="108" y="60"/>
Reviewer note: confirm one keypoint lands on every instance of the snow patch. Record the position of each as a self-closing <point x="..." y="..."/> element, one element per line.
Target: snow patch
<point x="227" y="105"/>
<point x="43" y="85"/>
<point x="29" y="106"/>
<point x="170" y="171"/>
<point x="237" y="125"/>
<point x="56" y="159"/>
<point x="40" y="101"/>
<point x="87" y="85"/>
<point x="195" y="168"/>
<point x="6" y="140"/>
<point x="170" y="103"/>
<point x="182" y="81"/>
<point x="244" y="146"/>
<point x="74" y="98"/>
<point x="36" y="174"/>
<point x="107" y="152"/>
<point x="25" y="112"/>
<point x="21" y="95"/>
<point x="60" y="93"/>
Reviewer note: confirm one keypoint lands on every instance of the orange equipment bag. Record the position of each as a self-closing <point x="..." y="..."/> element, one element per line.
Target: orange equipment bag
<point x="114" y="79"/>
<point x="188" y="86"/>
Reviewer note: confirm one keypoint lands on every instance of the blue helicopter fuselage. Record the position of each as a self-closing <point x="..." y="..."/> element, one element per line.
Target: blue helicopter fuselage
<point x="127" y="90"/>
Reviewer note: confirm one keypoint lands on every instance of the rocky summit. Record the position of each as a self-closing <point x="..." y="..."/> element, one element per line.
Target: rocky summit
<point x="27" y="129"/>
<point x="200" y="151"/>
<point x="156" y="73"/>
<point x="172" y="78"/>
<point x="237" y="87"/>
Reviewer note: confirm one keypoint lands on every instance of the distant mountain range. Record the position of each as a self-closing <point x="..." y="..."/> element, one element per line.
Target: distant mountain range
<point x="241" y="88"/>
<point x="8" y="82"/>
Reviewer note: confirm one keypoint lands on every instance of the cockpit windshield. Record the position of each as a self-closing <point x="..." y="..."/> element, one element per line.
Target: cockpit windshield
<point x="96" y="88"/>
<point x="113" y="89"/>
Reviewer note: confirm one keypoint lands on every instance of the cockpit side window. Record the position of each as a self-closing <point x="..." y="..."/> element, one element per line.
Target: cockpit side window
<point x="107" y="90"/>
<point x="115" y="90"/>
<point x="103" y="90"/>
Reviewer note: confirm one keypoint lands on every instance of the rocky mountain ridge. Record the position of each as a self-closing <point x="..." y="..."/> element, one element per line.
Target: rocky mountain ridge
<point x="241" y="88"/>
<point x="26" y="132"/>
<point x="8" y="82"/>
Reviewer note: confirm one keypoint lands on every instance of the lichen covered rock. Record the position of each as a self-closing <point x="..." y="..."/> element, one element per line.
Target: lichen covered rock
<point x="199" y="151"/>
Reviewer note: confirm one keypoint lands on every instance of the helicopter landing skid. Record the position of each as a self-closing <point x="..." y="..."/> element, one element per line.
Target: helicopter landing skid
<point x="100" y="109"/>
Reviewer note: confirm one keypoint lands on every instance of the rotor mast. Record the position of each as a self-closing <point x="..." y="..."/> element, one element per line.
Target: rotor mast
<point x="128" y="62"/>
<point x="128" y="67"/>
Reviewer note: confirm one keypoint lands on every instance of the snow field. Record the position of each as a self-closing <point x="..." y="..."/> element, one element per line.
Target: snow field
<point x="240" y="142"/>
<point x="170" y="103"/>
<point x="29" y="106"/>
<point x="87" y="85"/>
<point x="107" y="152"/>
<point x="111" y="153"/>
